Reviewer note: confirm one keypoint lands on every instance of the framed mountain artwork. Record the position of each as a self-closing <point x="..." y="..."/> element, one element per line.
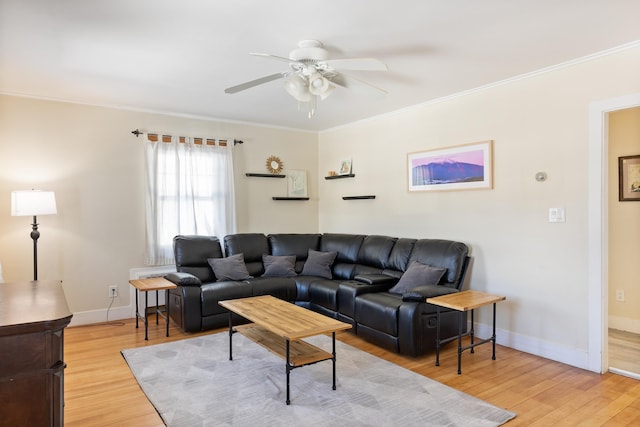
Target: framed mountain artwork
<point x="462" y="167"/>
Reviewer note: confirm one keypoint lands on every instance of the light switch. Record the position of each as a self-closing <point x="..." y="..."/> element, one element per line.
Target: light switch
<point x="556" y="215"/>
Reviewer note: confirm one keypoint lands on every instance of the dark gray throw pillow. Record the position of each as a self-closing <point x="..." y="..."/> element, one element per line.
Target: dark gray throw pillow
<point x="229" y="268"/>
<point x="416" y="275"/>
<point x="279" y="266"/>
<point x="319" y="264"/>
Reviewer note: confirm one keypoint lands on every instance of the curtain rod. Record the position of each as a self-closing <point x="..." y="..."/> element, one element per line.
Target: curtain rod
<point x="137" y="133"/>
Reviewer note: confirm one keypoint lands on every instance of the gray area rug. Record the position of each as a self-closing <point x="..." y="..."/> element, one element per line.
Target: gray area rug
<point x="192" y="382"/>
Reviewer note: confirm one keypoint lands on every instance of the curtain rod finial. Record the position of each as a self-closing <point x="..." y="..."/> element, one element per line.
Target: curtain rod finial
<point x="237" y="141"/>
<point x="136" y="132"/>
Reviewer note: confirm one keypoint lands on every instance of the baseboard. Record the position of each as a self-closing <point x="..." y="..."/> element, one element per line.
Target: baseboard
<point x="100" y="316"/>
<point x="548" y="350"/>
<point x="624" y="324"/>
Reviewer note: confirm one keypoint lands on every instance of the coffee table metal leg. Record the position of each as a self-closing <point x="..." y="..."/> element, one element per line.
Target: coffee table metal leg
<point x="438" y="336"/>
<point x="333" y="352"/>
<point x="460" y="321"/>
<point x="288" y="372"/>
<point x="230" y="337"/>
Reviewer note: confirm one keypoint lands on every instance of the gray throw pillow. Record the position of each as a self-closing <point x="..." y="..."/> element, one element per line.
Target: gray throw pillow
<point x="229" y="268"/>
<point x="319" y="264"/>
<point x="416" y="275"/>
<point x="279" y="266"/>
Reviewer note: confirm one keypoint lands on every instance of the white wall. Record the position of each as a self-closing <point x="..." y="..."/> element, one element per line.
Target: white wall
<point x="88" y="156"/>
<point x="538" y="123"/>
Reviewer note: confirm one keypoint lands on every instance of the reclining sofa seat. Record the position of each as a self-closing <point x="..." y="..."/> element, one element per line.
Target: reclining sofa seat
<point x="365" y="268"/>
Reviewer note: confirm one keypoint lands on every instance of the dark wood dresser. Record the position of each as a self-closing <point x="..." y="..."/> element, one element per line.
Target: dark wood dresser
<point x="33" y="316"/>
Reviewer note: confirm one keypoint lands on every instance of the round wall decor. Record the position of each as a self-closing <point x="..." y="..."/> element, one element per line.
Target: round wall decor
<point x="274" y="164"/>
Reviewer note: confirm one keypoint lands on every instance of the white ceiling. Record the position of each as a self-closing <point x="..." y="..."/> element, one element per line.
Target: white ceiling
<point x="178" y="56"/>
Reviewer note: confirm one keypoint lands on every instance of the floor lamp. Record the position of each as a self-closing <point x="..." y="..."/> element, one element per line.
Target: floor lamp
<point x="33" y="203"/>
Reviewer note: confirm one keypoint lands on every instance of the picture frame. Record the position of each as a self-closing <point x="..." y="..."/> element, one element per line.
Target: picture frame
<point x="461" y="167"/>
<point x="297" y="183"/>
<point x="629" y="178"/>
<point x="345" y="167"/>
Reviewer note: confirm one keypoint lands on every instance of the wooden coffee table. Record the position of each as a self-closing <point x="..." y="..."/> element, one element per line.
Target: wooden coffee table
<point x="280" y="326"/>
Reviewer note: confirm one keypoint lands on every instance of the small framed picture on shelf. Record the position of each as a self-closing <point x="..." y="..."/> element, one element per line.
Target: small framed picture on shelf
<point x="345" y="167"/>
<point x="297" y="183"/>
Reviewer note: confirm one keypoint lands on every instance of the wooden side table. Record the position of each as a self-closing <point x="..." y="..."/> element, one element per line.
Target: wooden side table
<point x="152" y="284"/>
<point x="461" y="302"/>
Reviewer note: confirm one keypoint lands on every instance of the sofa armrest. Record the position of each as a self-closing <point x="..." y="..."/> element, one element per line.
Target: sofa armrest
<point x="421" y="293"/>
<point x="183" y="279"/>
<point x="376" y="279"/>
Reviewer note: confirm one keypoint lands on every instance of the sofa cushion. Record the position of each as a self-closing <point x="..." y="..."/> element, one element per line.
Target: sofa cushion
<point x="442" y="253"/>
<point x="251" y="246"/>
<point x="319" y="264"/>
<point x="229" y="268"/>
<point x="192" y="252"/>
<point x="279" y="266"/>
<point x="418" y="274"/>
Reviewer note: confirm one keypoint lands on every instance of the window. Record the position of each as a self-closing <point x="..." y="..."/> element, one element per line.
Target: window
<point x="189" y="191"/>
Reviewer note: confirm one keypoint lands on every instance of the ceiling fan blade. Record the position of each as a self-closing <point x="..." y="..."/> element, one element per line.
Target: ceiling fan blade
<point x="357" y="64"/>
<point x="256" y="82"/>
<point x="355" y="84"/>
<point x="279" y="58"/>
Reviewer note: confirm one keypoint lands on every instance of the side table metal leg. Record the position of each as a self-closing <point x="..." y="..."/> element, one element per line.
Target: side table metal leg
<point x="438" y="336"/>
<point x="157" y="313"/>
<point x="493" y="337"/>
<point x="460" y="322"/>
<point x="288" y="372"/>
<point x="146" y="316"/>
<point x="166" y="304"/>
<point x="472" y="331"/>
<point x="137" y="310"/>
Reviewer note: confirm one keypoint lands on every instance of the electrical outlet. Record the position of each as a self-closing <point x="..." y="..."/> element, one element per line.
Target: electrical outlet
<point x="113" y="291"/>
<point x="620" y="295"/>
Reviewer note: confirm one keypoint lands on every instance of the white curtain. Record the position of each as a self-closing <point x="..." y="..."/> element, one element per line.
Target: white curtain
<point x="189" y="191"/>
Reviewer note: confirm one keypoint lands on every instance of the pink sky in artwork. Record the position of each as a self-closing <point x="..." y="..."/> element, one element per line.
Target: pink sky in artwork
<point x="475" y="157"/>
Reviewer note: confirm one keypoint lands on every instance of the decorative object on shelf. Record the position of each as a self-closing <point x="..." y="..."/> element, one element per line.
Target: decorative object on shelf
<point x="462" y="167"/>
<point x="274" y="164"/>
<point x="629" y="178"/>
<point x="345" y="167"/>
<point x="358" y="197"/>
<point x="332" y="173"/>
<point x="339" y="176"/>
<point x="33" y="203"/>
<point x="297" y="183"/>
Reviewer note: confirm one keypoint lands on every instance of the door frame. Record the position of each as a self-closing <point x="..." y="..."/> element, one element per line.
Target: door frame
<point x="598" y="239"/>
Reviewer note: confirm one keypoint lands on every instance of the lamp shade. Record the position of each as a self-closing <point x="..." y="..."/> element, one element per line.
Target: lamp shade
<point x="33" y="202"/>
<point x="296" y="86"/>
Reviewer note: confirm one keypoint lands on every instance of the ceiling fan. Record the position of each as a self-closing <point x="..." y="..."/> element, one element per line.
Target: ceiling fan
<point x="313" y="75"/>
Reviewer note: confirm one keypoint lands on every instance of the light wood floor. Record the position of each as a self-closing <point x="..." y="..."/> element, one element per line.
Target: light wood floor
<point x="100" y="390"/>
<point x="624" y="351"/>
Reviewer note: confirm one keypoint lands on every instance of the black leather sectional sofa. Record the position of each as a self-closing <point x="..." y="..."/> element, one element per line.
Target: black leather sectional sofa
<point x="355" y="290"/>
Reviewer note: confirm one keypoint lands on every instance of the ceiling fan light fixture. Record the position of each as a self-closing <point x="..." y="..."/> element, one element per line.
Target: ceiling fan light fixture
<point x="296" y="86"/>
<point x="318" y="85"/>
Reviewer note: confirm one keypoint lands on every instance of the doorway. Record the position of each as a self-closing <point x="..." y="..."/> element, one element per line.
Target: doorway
<point x="598" y="220"/>
<point x="623" y="237"/>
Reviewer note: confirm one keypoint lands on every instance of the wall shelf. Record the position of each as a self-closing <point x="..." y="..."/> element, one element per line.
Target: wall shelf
<point x="266" y="175"/>
<point x="351" y="175"/>
<point x="290" y="198"/>
<point x="358" y="197"/>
